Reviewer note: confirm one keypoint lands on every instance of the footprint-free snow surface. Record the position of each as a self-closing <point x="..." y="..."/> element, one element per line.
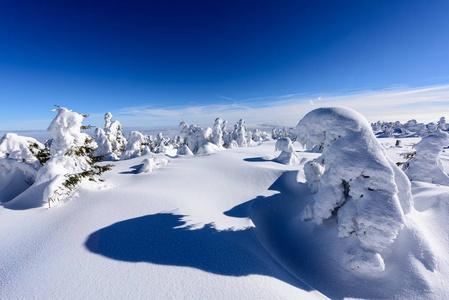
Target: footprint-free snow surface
<point x="220" y="226"/>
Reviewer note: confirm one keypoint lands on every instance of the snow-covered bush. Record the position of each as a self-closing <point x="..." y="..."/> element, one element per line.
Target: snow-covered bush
<point x="355" y="180"/>
<point x="184" y="132"/>
<point x="136" y="143"/>
<point x="426" y="165"/>
<point x="113" y="131"/>
<point x="72" y="159"/>
<point x="288" y="155"/>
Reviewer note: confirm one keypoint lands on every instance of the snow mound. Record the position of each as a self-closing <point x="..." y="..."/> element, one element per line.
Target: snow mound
<point x="426" y="165"/>
<point x="288" y="155"/>
<point x="354" y="179"/>
<point x="207" y="148"/>
<point x="152" y="163"/>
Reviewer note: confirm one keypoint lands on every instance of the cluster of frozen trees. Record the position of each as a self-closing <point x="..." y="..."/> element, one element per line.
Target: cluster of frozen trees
<point x="70" y="156"/>
<point x="410" y="128"/>
<point x="192" y="139"/>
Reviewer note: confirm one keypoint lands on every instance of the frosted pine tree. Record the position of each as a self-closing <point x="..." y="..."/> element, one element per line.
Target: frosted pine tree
<point x="72" y="157"/>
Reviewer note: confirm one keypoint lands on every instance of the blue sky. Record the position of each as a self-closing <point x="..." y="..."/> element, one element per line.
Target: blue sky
<point x="154" y="63"/>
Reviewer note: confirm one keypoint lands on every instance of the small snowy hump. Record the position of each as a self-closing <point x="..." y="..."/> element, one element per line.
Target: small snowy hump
<point x="288" y="155"/>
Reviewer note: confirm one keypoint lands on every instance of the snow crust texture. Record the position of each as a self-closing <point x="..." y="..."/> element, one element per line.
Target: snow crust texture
<point x="355" y="180"/>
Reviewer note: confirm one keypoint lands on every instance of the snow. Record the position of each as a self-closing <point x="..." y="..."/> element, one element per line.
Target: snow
<point x="227" y="225"/>
<point x="426" y="165"/>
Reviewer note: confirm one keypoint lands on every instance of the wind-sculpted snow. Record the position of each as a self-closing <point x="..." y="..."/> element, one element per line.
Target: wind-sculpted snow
<point x="426" y="165"/>
<point x="354" y="179"/>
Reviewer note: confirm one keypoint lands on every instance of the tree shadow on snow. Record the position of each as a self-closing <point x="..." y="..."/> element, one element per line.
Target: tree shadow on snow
<point x="134" y="170"/>
<point x="159" y="239"/>
<point x="257" y="159"/>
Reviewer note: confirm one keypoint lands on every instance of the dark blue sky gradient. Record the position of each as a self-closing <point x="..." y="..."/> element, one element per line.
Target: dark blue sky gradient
<point x="95" y="56"/>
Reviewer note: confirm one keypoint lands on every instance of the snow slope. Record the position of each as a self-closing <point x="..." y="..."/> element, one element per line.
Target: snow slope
<point x="219" y="226"/>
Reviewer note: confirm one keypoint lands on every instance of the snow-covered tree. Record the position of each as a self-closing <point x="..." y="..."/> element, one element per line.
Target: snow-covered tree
<point x="442" y="124"/>
<point x="136" y="143"/>
<point x="184" y="130"/>
<point x="355" y="180"/>
<point x="274" y="134"/>
<point x="114" y="133"/>
<point x="288" y="155"/>
<point x="227" y="138"/>
<point x="72" y="159"/>
<point x="240" y="133"/>
<point x="104" y="145"/>
<point x="431" y="127"/>
<point x="217" y="132"/>
<point x="426" y="165"/>
<point x="195" y="138"/>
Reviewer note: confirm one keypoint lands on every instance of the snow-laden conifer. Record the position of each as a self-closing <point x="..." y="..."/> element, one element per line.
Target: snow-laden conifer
<point x="217" y="132"/>
<point x="114" y="133"/>
<point x="104" y="146"/>
<point x="354" y="179"/>
<point x="72" y="159"/>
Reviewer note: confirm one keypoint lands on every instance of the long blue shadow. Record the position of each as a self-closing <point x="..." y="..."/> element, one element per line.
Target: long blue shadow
<point x="157" y="239"/>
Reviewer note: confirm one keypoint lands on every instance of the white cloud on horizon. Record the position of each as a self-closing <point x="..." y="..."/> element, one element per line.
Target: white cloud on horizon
<point x="424" y="104"/>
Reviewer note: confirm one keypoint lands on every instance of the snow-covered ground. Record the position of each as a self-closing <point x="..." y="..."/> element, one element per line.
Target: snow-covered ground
<point x="221" y="226"/>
